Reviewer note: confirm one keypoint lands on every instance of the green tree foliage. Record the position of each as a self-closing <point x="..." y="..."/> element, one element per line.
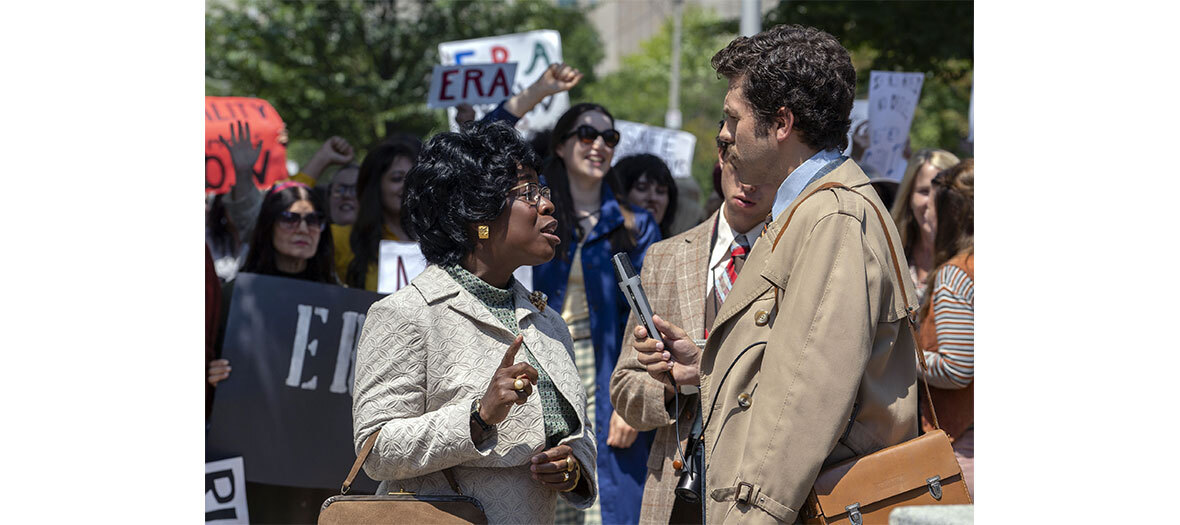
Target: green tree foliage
<point x="638" y="91"/>
<point x="361" y="69"/>
<point x="930" y="37"/>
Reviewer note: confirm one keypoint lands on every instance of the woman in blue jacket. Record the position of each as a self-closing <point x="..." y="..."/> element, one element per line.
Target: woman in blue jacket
<point x="594" y="224"/>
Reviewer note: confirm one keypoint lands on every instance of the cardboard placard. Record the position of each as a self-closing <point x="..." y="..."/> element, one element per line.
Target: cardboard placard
<point x="399" y="263"/>
<point x="675" y="147"/>
<point x="265" y="125"/>
<point x="893" y="97"/>
<point x="225" y="492"/>
<point x="532" y="51"/>
<point x="472" y="84"/>
<point x="287" y="406"/>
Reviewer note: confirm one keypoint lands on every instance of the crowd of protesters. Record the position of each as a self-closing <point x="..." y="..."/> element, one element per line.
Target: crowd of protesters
<point x="461" y="196"/>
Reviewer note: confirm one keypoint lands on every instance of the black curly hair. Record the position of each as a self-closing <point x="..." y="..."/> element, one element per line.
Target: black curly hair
<point x="801" y="68"/>
<point x="460" y="179"/>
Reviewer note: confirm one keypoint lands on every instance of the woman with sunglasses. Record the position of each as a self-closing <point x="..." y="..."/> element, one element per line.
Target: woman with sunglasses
<point x="595" y="221"/>
<point x="464" y="373"/>
<point x="290" y="239"/>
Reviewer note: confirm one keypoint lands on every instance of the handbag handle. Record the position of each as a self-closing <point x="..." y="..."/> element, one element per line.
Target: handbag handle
<point x="364" y="454"/>
<point x="911" y="313"/>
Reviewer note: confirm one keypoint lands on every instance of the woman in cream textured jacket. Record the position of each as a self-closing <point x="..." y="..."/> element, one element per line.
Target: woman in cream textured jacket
<point x="464" y="369"/>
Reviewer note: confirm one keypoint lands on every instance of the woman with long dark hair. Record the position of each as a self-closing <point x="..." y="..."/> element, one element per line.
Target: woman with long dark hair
<point x="595" y="221"/>
<point x="290" y="239"/>
<point x="379" y="191"/>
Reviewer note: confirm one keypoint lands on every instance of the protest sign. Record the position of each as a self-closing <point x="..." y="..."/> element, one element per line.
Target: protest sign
<point x="287" y="406"/>
<point x="532" y="51"/>
<point x="893" y="97"/>
<point x="859" y="114"/>
<point x="474" y="84"/>
<point x="265" y="126"/>
<point x="225" y="492"/>
<point x="673" y="146"/>
<point x="971" y="115"/>
<point x="401" y="262"/>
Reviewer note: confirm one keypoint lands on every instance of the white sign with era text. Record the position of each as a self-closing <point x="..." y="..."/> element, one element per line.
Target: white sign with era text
<point x="675" y="147"/>
<point x="893" y="96"/>
<point x="474" y="84"/>
<point x="225" y="491"/>
<point x="532" y="51"/>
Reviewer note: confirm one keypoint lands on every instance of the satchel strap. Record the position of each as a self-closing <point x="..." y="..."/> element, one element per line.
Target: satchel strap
<point x="911" y="313"/>
<point x="364" y="454"/>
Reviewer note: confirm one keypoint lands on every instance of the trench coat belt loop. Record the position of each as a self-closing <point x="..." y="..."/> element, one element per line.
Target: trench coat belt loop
<point x="751" y="494"/>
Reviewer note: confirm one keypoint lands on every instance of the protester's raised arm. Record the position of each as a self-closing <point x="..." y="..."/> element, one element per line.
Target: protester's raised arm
<point x="558" y="77"/>
<point x="335" y="150"/>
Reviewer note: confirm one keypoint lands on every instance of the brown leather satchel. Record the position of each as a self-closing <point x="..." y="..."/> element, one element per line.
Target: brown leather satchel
<point x="921" y="471"/>
<point x="399" y="507"/>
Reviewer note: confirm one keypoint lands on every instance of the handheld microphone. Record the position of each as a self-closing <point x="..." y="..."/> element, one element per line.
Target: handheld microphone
<point x="690" y="487"/>
<point x="633" y="291"/>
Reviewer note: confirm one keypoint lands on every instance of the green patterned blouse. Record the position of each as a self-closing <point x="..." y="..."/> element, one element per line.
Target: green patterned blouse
<point x="560" y="418"/>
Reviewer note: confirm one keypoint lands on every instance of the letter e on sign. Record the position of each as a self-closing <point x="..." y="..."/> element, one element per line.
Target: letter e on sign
<point x="446" y="81"/>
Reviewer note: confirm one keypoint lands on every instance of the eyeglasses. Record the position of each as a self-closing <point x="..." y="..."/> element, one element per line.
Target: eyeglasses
<point x="344" y="190"/>
<point x="532" y="192"/>
<point x="290" y="220"/>
<point x="587" y="134"/>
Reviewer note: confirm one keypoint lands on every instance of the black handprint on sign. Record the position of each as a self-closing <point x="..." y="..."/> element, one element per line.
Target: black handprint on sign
<point x="244" y="153"/>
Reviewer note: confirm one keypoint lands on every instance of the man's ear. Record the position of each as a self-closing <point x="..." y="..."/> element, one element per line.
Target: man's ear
<point x="784" y="124"/>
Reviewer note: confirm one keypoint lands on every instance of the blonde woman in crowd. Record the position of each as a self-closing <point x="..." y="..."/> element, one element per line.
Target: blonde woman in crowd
<point x="909" y="211"/>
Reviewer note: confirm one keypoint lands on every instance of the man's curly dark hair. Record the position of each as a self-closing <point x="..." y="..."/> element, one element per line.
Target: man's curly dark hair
<point x="462" y="178"/>
<point x="801" y="68"/>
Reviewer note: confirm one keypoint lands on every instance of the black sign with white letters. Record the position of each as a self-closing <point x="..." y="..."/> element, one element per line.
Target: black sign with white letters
<point x="286" y="407"/>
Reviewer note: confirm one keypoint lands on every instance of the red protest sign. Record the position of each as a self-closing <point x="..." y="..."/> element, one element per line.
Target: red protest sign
<point x="265" y="126"/>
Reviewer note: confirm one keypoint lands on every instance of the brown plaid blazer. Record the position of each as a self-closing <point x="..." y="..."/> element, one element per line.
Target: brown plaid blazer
<point x="674" y="276"/>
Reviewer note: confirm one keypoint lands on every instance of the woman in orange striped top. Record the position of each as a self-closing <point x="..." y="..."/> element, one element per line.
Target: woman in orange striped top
<point x="948" y="313"/>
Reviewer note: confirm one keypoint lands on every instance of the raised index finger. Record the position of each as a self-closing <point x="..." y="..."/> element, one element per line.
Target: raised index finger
<point x="510" y="355"/>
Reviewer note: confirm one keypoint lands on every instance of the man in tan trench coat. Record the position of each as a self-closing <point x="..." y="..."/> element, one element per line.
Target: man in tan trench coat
<point x="807" y="363"/>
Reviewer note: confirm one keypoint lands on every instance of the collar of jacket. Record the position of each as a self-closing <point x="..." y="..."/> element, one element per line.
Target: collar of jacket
<point x="436" y="285"/>
<point x="612" y="216"/>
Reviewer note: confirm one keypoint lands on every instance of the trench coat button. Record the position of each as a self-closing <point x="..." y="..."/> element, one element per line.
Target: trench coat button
<point x="744" y="400"/>
<point x="761" y="318"/>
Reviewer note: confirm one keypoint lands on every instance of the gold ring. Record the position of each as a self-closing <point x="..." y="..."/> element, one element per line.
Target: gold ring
<point x="569" y="463"/>
<point x="518" y="385"/>
<point x="565" y="476"/>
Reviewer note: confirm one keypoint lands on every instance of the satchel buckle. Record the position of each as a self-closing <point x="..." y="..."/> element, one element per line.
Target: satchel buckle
<point x="744" y="497"/>
<point x="854" y="514"/>
<point x="935" y="487"/>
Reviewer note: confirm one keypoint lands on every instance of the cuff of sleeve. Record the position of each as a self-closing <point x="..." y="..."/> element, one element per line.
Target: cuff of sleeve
<point x="499" y="114"/>
<point x="655" y="410"/>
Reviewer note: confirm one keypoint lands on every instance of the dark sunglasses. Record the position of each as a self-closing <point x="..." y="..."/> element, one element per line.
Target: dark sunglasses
<point x="290" y="220"/>
<point x="587" y="134"/>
